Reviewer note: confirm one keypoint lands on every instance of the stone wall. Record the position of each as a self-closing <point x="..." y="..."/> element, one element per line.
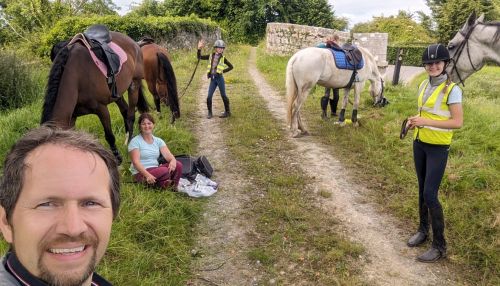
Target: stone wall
<point x="286" y="39"/>
<point x="376" y="43"/>
<point x="189" y="40"/>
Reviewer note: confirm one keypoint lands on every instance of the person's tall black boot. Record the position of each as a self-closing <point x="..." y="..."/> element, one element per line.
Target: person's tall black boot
<point x="438" y="248"/>
<point x="227" y="111"/>
<point x="334" y="102"/>
<point x="421" y="235"/>
<point x="324" y="106"/>
<point x="209" y="107"/>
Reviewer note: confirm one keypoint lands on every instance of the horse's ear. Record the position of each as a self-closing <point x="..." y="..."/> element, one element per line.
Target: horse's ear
<point x="480" y="19"/>
<point x="472" y="18"/>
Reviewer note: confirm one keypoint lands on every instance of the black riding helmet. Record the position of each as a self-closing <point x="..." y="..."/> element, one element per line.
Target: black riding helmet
<point x="435" y="53"/>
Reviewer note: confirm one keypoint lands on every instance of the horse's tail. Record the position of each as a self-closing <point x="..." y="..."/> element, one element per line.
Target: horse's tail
<point x="142" y="104"/>
<point x="291" y="89"/>
<point x="173" y="96"/>
<point x="56" y="72"/>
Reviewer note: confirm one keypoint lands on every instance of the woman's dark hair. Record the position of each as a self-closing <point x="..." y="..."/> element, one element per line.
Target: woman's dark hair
<point x="146" y="115"/>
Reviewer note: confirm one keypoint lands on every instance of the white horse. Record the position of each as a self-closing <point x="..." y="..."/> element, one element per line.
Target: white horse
<point x="312" y="66"/>
<point x="474" y="45"/>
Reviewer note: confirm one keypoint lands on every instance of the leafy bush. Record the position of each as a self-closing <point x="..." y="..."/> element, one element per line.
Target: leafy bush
<point x="19" y="85"/>
<point x="160" y="28"/>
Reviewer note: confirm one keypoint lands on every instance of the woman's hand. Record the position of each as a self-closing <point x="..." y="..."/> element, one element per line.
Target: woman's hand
<point x="172" y="165"/>
<point x="150" y="179"/>
<point x="201" y="44"/>
<point x="417" y="121"/>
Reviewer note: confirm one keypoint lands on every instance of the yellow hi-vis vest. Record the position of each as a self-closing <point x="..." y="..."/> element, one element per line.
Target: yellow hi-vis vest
<point x="221" y="66"/>
<point x="435" y="108"/>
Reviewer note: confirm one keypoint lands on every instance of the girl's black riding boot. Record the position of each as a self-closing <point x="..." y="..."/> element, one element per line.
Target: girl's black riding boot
<point x="437" y="220"/>
<point x="227" y="111"/>
<point x="334" y="102"/>
<point x="438" y="248"/>
<point x="209" y="107"/>
<point x="423" y="212"/>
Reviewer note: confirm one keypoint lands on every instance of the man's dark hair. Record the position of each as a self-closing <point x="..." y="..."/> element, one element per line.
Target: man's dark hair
<point x="14" y="168"/>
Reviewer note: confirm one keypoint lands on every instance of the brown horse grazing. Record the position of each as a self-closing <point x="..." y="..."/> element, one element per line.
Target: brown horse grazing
<point x="77" y="87"/>
<point x="160" y="76"/>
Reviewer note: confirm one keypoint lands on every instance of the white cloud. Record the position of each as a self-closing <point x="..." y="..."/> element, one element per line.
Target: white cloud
<point x="357" y="11"/>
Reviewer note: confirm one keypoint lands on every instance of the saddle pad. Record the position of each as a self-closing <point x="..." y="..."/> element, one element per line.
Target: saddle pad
<point x="102" y="66"/>
<point x="342" y="63"/>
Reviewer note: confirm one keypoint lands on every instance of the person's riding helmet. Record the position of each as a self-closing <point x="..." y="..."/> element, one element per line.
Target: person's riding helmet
<point x="435" y="53"/>
<point x="219" y="44"/>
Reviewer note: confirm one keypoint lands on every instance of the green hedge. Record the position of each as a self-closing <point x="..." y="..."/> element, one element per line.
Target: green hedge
<point x="412" y="55"/>
<point x="165" y="28"/>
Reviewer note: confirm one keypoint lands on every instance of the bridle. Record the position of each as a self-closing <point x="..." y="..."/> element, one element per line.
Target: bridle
<point x="460" y="49"/>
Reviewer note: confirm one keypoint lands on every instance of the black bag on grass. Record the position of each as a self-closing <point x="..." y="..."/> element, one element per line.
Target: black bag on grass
<point x="204" y="166"/>
<point x="192" y="166"/>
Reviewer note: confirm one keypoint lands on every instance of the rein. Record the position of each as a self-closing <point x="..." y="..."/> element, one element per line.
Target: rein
<point x="460" y="49"/>
<point x="191" y="79"/>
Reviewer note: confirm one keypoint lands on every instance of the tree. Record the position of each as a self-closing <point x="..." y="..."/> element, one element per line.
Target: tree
<point x="401" y="28"/>
<point x="246" y="20"/>
<point x="450" y="15"/>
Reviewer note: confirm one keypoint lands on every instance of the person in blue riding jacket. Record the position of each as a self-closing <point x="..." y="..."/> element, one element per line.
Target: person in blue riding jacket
<point x="330" y="43"/>
<point x="439" y="112"/>
<point x="217" y="65"/>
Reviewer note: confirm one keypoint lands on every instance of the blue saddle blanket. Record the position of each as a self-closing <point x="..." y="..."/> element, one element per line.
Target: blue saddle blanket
<point x="342" y="63"/>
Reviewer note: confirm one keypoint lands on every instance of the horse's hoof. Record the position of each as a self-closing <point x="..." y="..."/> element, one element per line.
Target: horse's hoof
<point x="305" y="133"/>
<point x="296" y="134"/>
<point x="355" y="124"/>
<point x="341" y="123"/>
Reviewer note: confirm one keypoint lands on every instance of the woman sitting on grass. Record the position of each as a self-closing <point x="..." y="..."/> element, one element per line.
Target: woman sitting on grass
<point x="144" y="150"/>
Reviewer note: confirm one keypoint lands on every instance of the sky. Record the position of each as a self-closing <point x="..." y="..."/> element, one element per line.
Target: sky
<point x="355" y="10"/>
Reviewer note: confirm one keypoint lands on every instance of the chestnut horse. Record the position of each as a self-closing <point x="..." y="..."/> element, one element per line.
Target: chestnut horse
<point x="77" y="87"/>
<point x="316" y="65"/>
<point x="475" y="44"/>
<point x="160" y="76"/>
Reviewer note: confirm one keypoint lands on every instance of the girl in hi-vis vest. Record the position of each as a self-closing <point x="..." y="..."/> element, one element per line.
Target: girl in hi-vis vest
<point x="439" y="112"/>
<point x="217" y="65"/>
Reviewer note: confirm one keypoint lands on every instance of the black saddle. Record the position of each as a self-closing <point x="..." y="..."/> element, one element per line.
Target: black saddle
<point x="353" y="56"/>
<point x="99" y="37"/>
<point x="352" y="53"/>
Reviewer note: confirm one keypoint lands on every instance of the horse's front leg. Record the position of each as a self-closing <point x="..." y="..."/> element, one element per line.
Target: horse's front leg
<point x="357" y="92"/>
<point x="133" y="95"/>
<point x="123" y="107"/>
<point x="104" y="117"/>
<point x="345" y="100"/>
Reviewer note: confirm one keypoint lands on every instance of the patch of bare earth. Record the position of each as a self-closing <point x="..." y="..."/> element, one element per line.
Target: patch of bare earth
<point x="223" y="240"/>
<point x="388" y="260"/>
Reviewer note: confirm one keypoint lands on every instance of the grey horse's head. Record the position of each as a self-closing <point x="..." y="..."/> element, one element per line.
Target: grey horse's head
<point x="465" y="58"/>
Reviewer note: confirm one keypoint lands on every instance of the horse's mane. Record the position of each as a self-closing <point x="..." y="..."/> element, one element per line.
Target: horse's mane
<point x="496" y="37"/>
<point x="369" y="57"/>
<point x="54" y="81"/>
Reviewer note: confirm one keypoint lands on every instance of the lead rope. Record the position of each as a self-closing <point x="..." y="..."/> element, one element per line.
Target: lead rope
<point x="191" y="79"/>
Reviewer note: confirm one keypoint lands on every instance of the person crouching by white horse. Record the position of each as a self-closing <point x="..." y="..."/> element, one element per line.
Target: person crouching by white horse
<point x="439" y="112"/>
<point x="311" y="66"/>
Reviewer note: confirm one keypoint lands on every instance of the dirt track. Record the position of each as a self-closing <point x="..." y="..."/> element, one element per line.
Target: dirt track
<point x="223" y="241"/>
